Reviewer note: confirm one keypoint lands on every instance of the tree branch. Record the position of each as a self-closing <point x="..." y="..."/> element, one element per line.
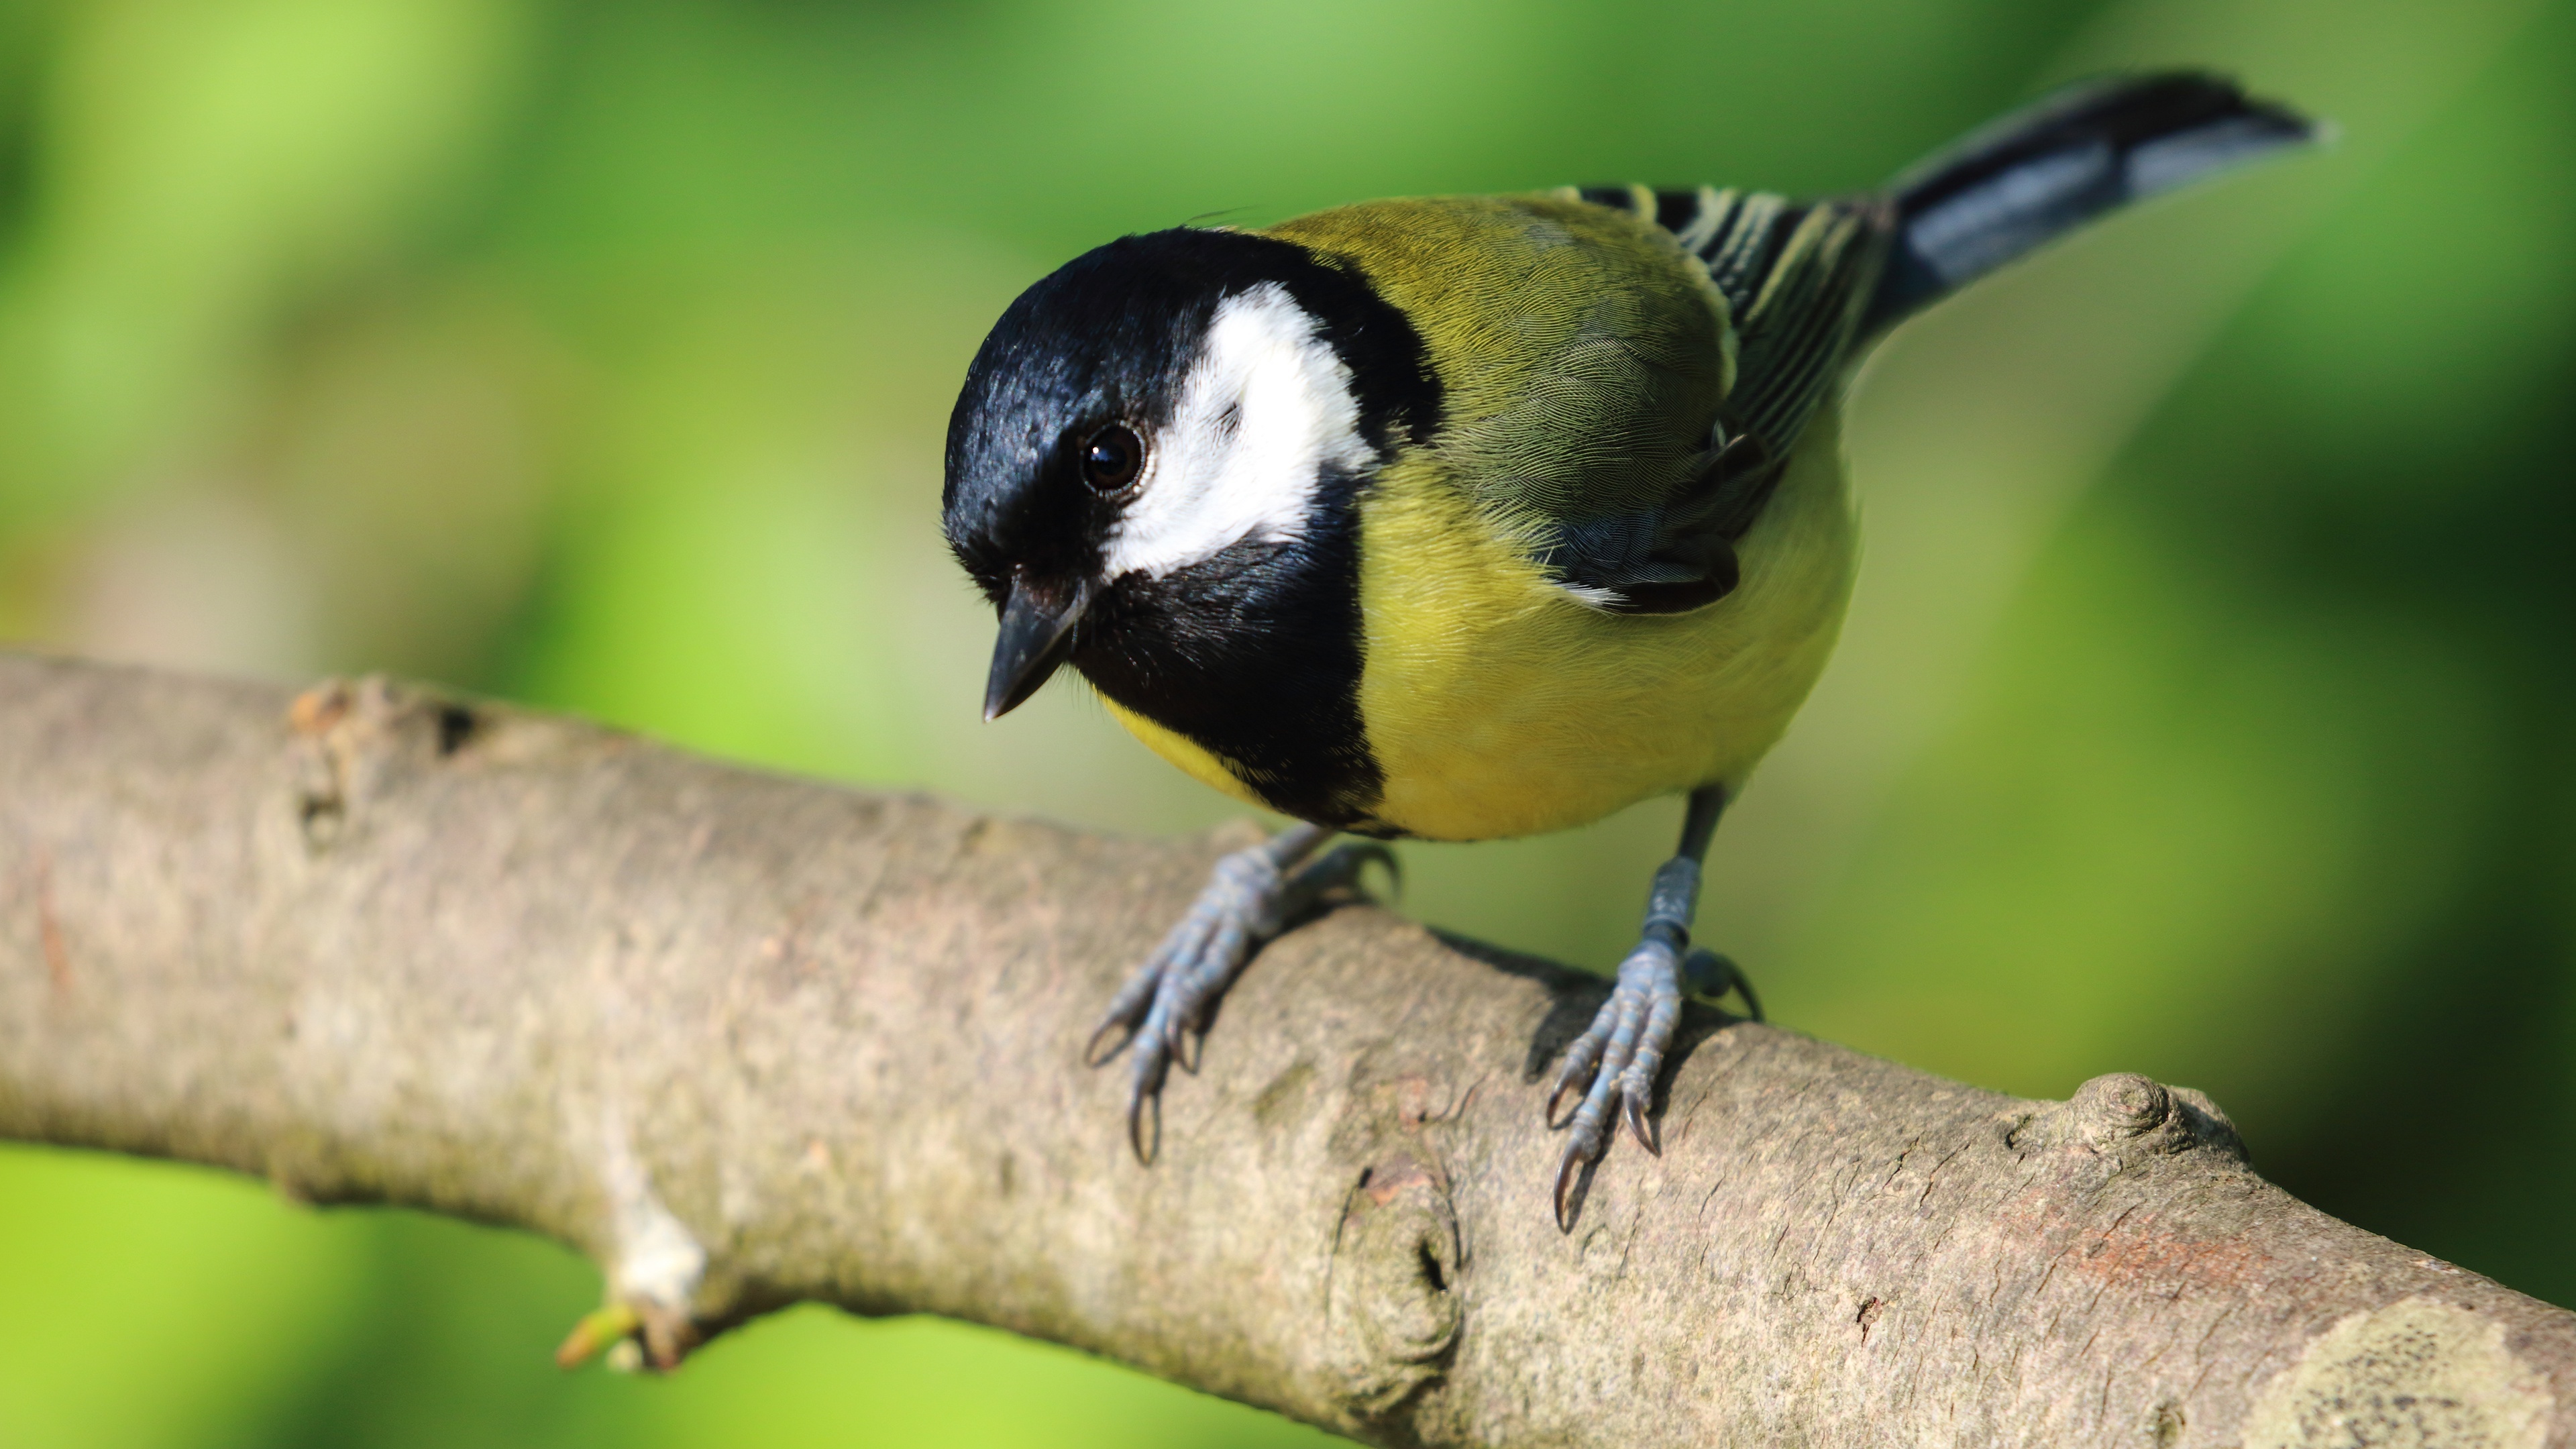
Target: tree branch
<point x="748" y="1040"/>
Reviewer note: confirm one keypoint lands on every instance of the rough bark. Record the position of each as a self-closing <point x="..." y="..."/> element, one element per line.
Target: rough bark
<point x="748" y="1040"/>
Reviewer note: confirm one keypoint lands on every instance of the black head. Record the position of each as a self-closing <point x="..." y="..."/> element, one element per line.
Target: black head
<point x="1151" y="467"/>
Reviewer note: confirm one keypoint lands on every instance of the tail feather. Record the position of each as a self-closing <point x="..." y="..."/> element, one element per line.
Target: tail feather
<point x="2038" y="173"/>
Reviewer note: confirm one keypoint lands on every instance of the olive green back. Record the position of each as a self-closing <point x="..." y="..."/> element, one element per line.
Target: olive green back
<point x="1582" y="353"/>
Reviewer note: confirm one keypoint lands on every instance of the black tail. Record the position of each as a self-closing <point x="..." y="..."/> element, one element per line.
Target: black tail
<point x="2046" y="170"/>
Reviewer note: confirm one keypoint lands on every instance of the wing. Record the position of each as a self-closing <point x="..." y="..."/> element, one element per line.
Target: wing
<point x="1598" y="403"/>
<point x="1798" y="278"/>
<point x="1812" y="283"/>
<point x="1582" y="355"/>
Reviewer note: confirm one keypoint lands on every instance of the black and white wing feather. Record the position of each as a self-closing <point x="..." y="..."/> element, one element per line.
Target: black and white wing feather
<point x="1798" y="278"/>
<point x="1812" y="283"/>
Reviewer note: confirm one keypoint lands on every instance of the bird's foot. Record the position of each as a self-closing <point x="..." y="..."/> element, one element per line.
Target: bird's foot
<point x="1622" y="1053"/>
<point x="1250" y="897"/>
<point x="1618" y="1057"/>
<point x="1709" y="975"/>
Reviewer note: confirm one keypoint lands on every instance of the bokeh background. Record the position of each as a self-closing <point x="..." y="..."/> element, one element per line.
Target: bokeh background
<point x="2205" y="708"/>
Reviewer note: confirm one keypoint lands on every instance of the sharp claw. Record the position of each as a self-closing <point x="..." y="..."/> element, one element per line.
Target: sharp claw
<point x="1579" y="1065"/>
<point x="1571" y="1080"/>
<point x="1744" y="987"/>
<point x="1144" y="1110"/>
<point x="1136" y="1126"/>
<point x="1384" y="855"/>
<point x="1567" y="1170"/>
<point x="1093" y="1056"/>
<point x="1358" y="856"/>
<point x="1555" y="1100"/>
<point x="1711" y="975"/>
<point x="1635" y="1114"/>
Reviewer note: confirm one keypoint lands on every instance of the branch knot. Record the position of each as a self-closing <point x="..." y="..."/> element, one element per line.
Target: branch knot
<point x="1394" y="1309"/>
<point x="2126" y="1118"/>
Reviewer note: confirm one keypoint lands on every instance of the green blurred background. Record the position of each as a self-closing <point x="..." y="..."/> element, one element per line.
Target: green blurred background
<point x="2205" y="708"/>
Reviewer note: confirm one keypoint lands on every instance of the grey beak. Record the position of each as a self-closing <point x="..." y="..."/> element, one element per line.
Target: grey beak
<point x="1034" y="631"/>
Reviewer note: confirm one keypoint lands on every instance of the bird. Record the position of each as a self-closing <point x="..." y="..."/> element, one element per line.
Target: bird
<point x="1473" y="517"/>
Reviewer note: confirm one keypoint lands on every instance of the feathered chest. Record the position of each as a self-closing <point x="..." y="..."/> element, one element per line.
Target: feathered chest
<point x="1520" y="618"/>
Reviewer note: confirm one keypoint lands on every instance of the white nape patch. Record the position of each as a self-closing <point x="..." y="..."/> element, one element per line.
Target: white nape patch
<point x="1265" y="409"/>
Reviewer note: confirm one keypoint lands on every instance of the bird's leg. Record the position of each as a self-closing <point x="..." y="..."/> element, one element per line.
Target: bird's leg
<point x="1622" y="1053"/>
<point x="1249" y="898"/>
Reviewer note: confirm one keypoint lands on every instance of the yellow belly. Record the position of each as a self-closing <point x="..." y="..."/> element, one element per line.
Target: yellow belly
<point x="1497" y="705"/>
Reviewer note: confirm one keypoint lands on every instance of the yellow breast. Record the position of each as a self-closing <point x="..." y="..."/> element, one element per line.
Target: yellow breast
<point x="1498" y="705"/>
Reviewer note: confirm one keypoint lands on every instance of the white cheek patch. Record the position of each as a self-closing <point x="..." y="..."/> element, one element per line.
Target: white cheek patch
<point x="1265" y="410"/>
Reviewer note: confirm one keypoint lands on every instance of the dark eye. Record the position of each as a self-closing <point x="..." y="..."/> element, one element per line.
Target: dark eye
<point x="1111" y="460"/>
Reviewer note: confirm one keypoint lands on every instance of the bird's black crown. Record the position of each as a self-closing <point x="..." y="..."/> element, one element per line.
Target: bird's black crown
<point x="1108" y="338"/>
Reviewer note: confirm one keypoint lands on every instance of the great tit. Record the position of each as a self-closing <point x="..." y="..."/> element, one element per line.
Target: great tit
<point x="1469" y="517"/>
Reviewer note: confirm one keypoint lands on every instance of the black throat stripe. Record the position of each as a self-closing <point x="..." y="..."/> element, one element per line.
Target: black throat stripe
<point x="1255" y="655"/>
